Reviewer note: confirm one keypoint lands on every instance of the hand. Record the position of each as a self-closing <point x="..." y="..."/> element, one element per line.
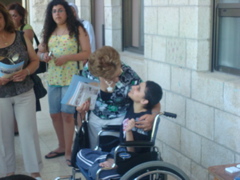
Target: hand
<point x="60" y="61"/>
<point x="45" y="57"/>
<point x="84" y="107"/>
<point x="4" y="81"/>
<point x="145" y="122"/>
<point x="130" y="124"/>
<point x="19" y="76"/>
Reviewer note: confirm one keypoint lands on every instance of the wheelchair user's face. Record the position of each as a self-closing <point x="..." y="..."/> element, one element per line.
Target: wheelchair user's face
<point x="137" y="93"/>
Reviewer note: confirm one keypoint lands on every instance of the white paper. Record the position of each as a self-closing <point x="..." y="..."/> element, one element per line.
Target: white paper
<point x="8" y="70"/>
<point x="81" y="90"/>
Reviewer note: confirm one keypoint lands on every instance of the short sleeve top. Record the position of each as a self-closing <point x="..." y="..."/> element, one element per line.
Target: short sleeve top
<point x="62" y="45"/>
<point x="116" y="104"/>
<point x="17" y="47"/>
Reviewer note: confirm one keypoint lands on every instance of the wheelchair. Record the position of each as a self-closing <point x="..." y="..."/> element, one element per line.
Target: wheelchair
<point x="144" y="166"/>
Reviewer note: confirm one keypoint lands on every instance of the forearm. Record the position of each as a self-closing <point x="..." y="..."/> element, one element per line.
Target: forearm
<point x="129" y="137"/>
<point x="83" y="55"/>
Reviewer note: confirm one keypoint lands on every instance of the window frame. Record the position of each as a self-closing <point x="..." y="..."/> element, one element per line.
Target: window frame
<point x="127" y="24"/>
<point x="216" y="66"/>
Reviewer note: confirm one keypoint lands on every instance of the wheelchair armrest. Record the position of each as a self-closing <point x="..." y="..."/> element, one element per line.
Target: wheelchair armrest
<point x="137" y="144"/>
<point x="111" y="127"/>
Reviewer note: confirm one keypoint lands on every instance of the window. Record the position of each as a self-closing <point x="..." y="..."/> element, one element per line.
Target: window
<point x="226" y="36"/>
<point x="133" y="30"/>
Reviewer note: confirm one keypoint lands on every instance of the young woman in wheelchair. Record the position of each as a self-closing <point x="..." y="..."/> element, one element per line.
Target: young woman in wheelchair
<point x="116" y="78"/>
<point x="143" y="98"/>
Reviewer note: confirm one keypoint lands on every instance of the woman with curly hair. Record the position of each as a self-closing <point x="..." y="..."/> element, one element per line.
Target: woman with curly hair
<point x="64" y="46"/>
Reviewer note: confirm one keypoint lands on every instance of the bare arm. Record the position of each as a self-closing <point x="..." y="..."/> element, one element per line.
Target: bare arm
<point x="146" y="121"/>
<point x="129" y="134"/>
<point x="32" y="66"/>
<point x="29" y="34"/>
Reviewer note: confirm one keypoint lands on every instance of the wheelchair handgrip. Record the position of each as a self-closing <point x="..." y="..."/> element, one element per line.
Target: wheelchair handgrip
<point x="136" y="144"/>
<point x="172" y="115"/>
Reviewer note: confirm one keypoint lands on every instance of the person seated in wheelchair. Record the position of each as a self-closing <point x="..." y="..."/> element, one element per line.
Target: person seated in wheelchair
<point x="144" y="96"/>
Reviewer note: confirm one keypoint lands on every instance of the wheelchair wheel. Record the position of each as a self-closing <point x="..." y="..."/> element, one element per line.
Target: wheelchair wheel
<point x="155" y="170"/>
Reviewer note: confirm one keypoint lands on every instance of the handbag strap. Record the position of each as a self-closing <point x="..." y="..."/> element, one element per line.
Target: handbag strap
<point x="34" y="35"/>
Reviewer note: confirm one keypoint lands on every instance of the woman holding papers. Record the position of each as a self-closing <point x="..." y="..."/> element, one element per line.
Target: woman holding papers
<point x="65" y="45"/>
<point x="17" y="99"/>
<point x="116" y="79"/>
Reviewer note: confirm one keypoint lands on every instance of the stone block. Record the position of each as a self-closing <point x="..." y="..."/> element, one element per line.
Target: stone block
<point x="136" y="62"/>
<point x="168" y="21"/>
<point x="159" y="73"/>
<point x="159" y="48"/>
<point x="198" y="54"/>
<point x="108" y="14"/>
<point x="189" y="22"/>
<point x="214" y="154"/>
<point x="174" y="157"/>
<point x="176" y="104"/>
<point x="112" y="2"/>
<point x="204" y="22"/>
<point x="178" y="2"/>
<point x="150" y="25"/>
<point x="200" y="119"/>
<point x="170" y="133"/>
<point x="231" y="96"/>
<point x="113" y="17"/>
<point x="148" y="41"/>
<point x="227" y="130"/>
<point x="176" y="51"/>
<point x="191" y="145"/>
<point x="148" y="3"/>
<point x="208" y="88"/>
<point x="114" y="38"/>
<point x="159" y="2"/>
<point x="181" y="81"/>
<point x="200" y="2"/>
<point x="198" y="172"/>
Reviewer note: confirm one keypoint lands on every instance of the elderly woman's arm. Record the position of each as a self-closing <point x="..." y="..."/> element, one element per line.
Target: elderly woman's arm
<point x="146" y="121"/>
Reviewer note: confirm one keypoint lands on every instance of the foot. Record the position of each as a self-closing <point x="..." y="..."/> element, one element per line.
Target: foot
<point x="56" y="153"/>
<point x="69" y="163"/>
<point x="107" y="164"/>
<point x="36" y="175"/>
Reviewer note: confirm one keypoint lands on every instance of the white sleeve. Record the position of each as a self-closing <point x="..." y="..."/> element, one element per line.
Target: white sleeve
<point x="88" y="26"/>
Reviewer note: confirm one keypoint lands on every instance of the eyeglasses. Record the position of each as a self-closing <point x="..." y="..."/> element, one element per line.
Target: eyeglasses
<point x="57" y="11"/>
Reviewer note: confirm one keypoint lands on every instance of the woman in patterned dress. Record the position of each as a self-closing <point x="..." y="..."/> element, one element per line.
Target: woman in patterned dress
<point x="116" y="79"/>
<point x="65" y="44"/>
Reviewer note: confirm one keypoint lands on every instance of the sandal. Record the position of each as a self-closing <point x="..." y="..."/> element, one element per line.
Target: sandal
<point x="54" y="154"/>
<point x="69" y="163"/>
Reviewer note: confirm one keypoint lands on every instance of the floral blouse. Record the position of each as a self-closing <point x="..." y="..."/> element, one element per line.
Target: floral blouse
<point x="62" y="45"/>
<point x="113" y="105"/>
<point x="16" y="49"/>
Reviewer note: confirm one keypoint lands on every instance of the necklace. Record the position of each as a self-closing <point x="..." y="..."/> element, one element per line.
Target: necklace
<point x="109" y="88"/>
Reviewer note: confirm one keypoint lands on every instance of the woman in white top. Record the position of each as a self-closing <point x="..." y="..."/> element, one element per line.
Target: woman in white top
<point x="87" y="25"/>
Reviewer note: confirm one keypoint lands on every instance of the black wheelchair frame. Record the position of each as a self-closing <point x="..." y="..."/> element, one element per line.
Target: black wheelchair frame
<point x="155" y="169"/>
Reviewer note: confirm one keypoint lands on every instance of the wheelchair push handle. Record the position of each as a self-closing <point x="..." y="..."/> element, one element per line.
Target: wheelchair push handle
<point x="168" y="114"/>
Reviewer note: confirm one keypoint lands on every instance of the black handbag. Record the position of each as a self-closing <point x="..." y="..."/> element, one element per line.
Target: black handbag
<point x="38" y="87"/>
<point x="81" y="141"/>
